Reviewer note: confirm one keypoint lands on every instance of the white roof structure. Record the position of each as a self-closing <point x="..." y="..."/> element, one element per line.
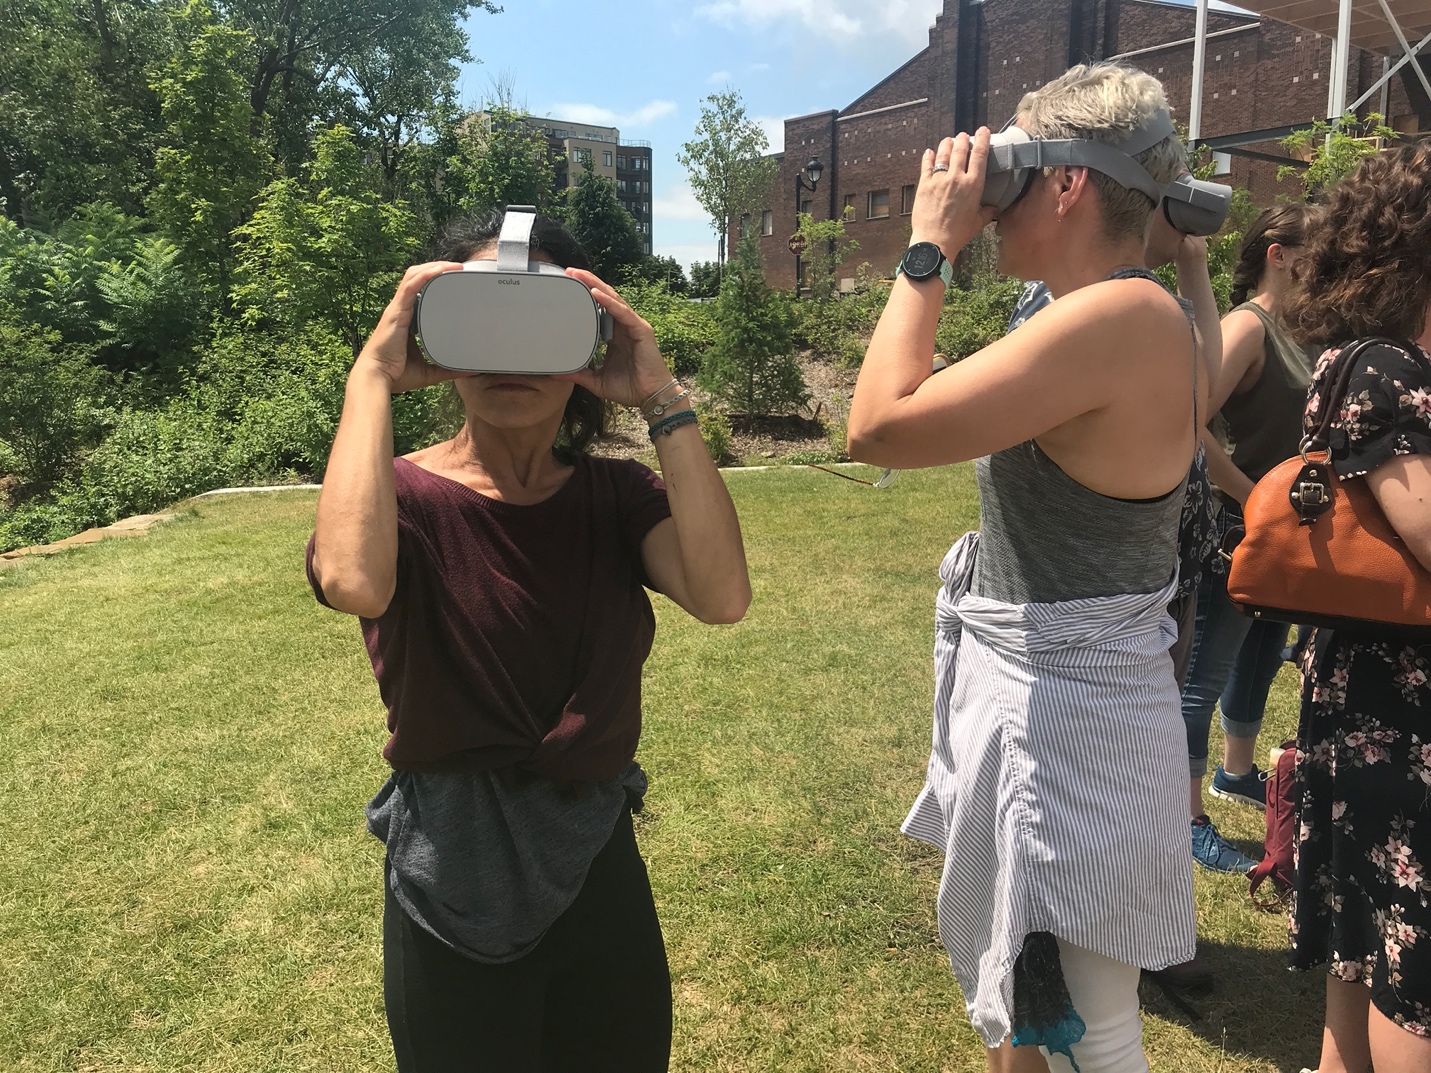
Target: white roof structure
<point x="1396" y="29"/>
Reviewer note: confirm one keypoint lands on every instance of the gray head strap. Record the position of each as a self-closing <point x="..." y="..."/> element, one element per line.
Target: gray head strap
<point x="514" y="244"/>
<point x="1115" y="161"/>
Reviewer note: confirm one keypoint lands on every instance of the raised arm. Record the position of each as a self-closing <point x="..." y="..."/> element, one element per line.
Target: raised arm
<point x="355" y="535"/>
<point x="696" y="556"/>
<point x="1195" y="285"/>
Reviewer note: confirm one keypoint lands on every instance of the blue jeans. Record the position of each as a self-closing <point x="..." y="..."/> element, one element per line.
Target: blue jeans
<point x="1234" y="659"/>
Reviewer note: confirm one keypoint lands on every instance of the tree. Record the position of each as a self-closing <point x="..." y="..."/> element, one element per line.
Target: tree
<point x="605" y="230"/>
<point x="297" y="69"/>
<point x="751" y="367"/>
<point x="331" y="251"/>
<point x="1333" y="149"/>
<point x="49" y="396"/>
<point x="501" y="158"/>
<point x="705" y="279"/>
<point x="664" y="270"/>
<point x="826" y="247"/>
<point x="210" y="166"/>
<point x="726" y="162"/>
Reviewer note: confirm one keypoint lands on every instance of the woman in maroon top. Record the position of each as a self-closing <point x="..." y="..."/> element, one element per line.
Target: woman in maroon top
<point x="500" y="579"/>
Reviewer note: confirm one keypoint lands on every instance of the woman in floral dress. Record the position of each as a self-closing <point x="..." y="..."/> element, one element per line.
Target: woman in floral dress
<point x="1362" y="898"/>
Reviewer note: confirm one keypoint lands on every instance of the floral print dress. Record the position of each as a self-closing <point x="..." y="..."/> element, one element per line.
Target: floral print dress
<point x="1362" y="895"/>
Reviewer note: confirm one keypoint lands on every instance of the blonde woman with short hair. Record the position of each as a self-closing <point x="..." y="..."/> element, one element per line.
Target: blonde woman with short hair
<point x="1055" y="785"/>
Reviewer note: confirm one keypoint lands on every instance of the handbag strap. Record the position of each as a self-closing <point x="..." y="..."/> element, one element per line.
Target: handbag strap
<point x="1320" y="439"/>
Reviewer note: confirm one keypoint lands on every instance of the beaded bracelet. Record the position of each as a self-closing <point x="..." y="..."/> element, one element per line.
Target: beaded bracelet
<point x="670" y="423"/>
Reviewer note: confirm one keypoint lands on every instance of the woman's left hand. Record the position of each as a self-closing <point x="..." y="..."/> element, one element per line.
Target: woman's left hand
<point x="634" y="369"/>
<point x="948" y="209"/>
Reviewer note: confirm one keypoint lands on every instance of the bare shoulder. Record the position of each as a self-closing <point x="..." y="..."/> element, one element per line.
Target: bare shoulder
<point x="1243" y="323"/>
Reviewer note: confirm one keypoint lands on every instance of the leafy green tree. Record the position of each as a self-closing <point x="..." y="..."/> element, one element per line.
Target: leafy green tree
<point x="210" y="166"/>
<point x="665" y="270"/>
<point x="826" y="247"/>
<point x="751" y="367"/>
<point x="1333" y="149"/>
<point x="78" y="118"/>
<point x="299" y="67"/>
<point x="726" y="163"/>
<point x="705" y="279"/>
<point x="49" y="400"/>
<point x="605" y="230"/>
<point x="331" y="250"/>
<point x="152" y="305"/>
<point x="500" y="158"/>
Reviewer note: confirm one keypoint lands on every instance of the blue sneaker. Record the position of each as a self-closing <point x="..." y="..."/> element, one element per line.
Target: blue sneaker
<point x="1249" y="789"/>
<point x="1216" y="853"/>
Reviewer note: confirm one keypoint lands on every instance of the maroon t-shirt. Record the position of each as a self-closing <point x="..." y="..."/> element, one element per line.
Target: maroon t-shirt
<point x="517" y="634"/>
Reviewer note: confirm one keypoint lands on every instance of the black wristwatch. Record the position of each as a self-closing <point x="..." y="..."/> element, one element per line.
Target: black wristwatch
<point x="925" y="260"/>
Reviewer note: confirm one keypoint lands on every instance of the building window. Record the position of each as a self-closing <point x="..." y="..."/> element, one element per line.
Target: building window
<point x="806" y="205"/>
<point x="647" y="248"/>
<point x="849" y="209"/>
<point x="621" y="186"/>
<point x="906" y="201"/>
<point x="581" y="156"/>
<point x="744" y="228"/>
<point x="767" y="223"/>
<point x="878" y="205"/>
<point x="606" y="158"/>
<point x="621" y="162"/>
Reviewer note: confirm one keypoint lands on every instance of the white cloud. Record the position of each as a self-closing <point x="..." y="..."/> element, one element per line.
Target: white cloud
<point x="774" y="127"/>
<point x="605" y="117"/>
<point x="840" y="20"/>
<point x="677" y="203"/>
<point x="718" y="77"/>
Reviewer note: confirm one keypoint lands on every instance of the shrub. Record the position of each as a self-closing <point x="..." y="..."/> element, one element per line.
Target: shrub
<point x="972" y="319"/>
<point x="751" y="367"/>
<point x="153" y="305"/>
<point x="837" y="329"/>
<point x="685" y="330"/>
<point x="715" y="430"/>
<point x="51" y="401"/>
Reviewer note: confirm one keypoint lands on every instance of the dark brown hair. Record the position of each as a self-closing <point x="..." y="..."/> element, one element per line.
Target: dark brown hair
<point x="1366" y="269"/>
<point x="586" y="416"/>
<point x="1286" y="225"/>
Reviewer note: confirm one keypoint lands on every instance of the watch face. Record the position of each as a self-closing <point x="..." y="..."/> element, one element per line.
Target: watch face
<point x="922" y="260"/>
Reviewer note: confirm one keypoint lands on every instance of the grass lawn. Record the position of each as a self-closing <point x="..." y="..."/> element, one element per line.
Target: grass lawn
<point x="187" y="740"/>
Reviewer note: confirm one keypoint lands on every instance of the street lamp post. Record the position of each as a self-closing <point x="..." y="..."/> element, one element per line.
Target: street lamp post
<point x="813" y="170"/>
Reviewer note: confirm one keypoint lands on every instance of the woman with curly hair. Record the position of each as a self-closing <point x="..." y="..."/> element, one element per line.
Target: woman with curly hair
<point x="1362" y="897"/>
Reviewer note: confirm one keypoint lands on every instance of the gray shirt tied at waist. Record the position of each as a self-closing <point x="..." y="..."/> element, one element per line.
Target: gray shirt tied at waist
<point x="486" y="861"/>
<point x="1044" y="537"/>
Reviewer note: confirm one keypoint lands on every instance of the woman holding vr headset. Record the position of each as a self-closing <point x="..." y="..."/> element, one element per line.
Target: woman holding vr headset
<point x="500" y="579"/>
<point x="1055" y="784"/>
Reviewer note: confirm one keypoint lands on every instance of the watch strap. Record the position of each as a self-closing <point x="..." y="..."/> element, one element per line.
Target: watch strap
<point x="946" y="271"/>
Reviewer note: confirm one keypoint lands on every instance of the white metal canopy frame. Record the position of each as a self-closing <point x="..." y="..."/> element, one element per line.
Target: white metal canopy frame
<point x="1379" y="26"/>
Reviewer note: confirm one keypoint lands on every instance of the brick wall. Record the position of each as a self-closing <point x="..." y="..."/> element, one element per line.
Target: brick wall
<point x="1260" y="74"/>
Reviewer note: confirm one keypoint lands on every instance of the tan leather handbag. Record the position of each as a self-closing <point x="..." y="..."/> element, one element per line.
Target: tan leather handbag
<point x="1320" y="551"/>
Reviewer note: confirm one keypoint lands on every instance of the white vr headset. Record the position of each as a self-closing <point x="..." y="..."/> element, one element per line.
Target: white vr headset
<point x="511" y="315"/>
<point x="1193" y="206"/>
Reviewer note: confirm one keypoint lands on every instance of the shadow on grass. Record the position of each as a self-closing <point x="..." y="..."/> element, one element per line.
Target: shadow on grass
<point x="1257" y="1006"/>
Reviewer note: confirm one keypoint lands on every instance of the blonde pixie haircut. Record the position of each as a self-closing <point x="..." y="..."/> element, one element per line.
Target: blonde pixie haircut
<point x="1106" y="102"/>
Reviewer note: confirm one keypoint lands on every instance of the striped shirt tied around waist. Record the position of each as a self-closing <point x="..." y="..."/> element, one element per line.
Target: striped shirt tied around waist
<point x="1057" y="783"/>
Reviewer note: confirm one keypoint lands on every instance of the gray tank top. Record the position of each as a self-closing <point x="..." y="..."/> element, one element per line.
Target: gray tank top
<point x="1043" y="537"/>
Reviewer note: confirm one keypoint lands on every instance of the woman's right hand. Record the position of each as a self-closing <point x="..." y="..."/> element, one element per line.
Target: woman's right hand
<point x="390" y="351"/>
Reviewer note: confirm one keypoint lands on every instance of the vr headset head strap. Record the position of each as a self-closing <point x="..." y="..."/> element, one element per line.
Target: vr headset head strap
<point x="514" y="244"/>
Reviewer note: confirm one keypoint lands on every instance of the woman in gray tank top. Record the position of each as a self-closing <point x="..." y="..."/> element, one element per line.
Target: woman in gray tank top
<point x="1063" y="877"/>
<point x="1262" y="391"/>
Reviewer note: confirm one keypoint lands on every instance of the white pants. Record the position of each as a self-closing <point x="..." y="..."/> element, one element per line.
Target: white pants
<point x="1105" y="995"/>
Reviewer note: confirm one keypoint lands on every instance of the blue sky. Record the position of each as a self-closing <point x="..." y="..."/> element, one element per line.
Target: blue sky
<point x="646" y="65"/>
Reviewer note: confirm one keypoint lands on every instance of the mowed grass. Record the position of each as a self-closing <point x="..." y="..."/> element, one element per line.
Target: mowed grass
<point x="187" y="740"/>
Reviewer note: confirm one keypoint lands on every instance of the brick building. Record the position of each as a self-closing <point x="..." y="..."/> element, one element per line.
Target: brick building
<point x="626" y="163"/>
<point x="983" y="55"/>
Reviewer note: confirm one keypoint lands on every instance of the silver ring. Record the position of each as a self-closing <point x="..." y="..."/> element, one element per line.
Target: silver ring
<point x="941" y="167"/>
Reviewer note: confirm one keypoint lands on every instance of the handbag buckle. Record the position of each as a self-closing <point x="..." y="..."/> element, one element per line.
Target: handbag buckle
<point x="1310" y="494"/>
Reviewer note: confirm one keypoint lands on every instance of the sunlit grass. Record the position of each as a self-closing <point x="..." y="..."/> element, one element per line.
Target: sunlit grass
<point x="188" y="740"/>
